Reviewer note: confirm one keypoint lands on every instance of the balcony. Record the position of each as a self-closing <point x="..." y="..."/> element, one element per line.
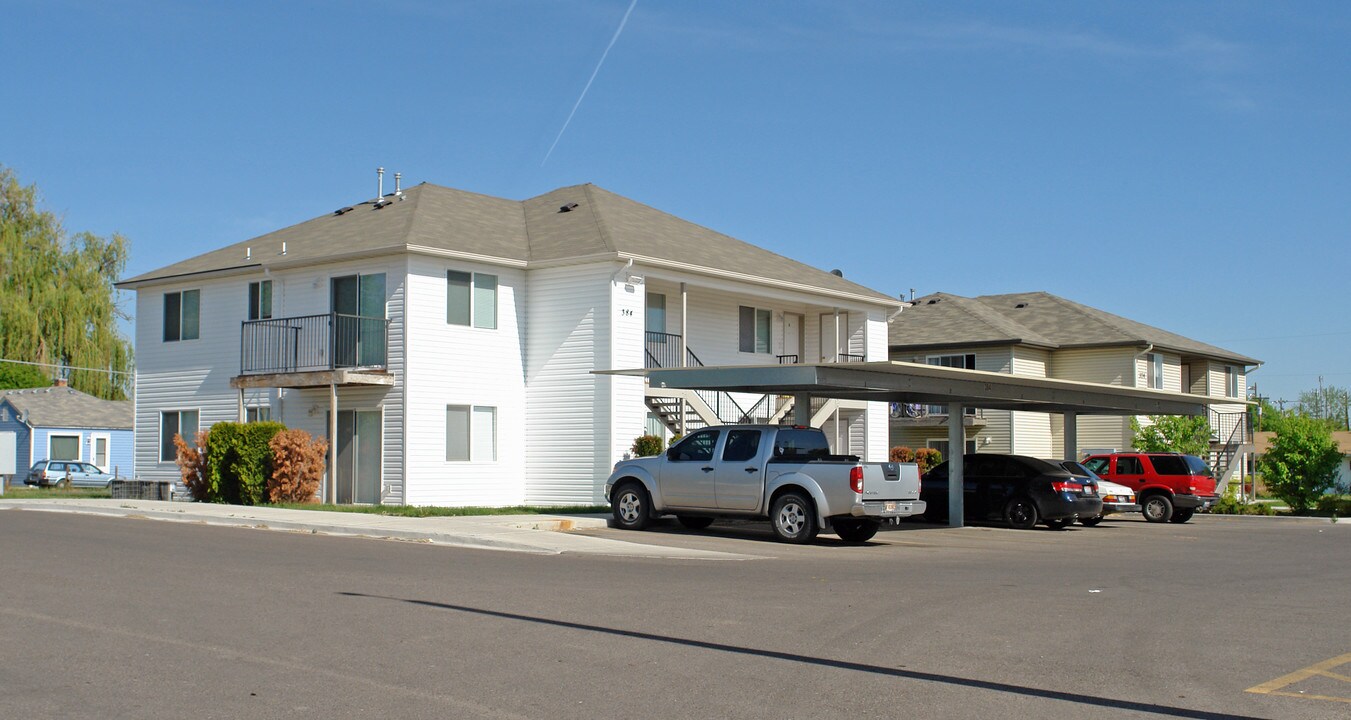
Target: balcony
<point x="918" y="414"/>
<point x="313" y="350"/>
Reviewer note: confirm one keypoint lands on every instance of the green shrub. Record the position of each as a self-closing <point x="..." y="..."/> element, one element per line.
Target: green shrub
<point x="1230" y="505"/>
<point x="647" y="445"/>
<point x="1301" y="464"/>
<point x="239" y="461"/>
<point x="1334" y="505"/>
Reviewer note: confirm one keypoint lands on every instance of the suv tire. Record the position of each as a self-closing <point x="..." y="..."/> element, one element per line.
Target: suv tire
<point x="631" y="506"/>
<point x="1157" y="508"/>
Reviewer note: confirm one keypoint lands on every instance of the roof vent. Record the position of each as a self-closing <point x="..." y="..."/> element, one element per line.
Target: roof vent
<point x="342" y="210"/>
<point x="1020" y="306"/>
<point x="837" y="272"/>
<point x="567" y="208"/>
<point x="932" y="302"/>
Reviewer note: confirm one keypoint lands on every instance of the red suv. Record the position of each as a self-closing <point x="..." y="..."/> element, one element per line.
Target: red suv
<point x="1170" y="487"/>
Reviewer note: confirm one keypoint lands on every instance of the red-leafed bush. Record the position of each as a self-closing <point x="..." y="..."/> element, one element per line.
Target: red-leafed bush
<point x="927" y="458"/>
<point x="192" y="466"/>
<point x="901" y="453"/>
<point x="297" y="467"/>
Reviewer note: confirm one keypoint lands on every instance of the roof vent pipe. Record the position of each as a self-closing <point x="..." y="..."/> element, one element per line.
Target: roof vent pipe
<point x="397" y="190"/>
<point x="379" y="182"/>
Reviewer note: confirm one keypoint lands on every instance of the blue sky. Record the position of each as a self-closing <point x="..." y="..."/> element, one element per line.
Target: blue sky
<point x="1184" y="164"/>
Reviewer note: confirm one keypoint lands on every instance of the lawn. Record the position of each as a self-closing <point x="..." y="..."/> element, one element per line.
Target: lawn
<point x="22" y="492"/>
<point x="432" y="511"/>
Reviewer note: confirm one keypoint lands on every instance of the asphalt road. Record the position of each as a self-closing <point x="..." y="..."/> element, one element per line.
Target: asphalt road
<point x="128" y="618"/>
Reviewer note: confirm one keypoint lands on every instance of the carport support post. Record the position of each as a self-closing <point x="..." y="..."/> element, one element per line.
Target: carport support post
<point x="956" y="474"/>
<point x="1071" y="435"/>
<point x="802" y="409"/>
<point x="239" y="405"/>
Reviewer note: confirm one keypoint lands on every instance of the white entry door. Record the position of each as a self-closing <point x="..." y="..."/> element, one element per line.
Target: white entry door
<point x="792" y="338"/>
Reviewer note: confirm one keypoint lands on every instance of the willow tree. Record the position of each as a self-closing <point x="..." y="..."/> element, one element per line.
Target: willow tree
<point x="57" y="301"/>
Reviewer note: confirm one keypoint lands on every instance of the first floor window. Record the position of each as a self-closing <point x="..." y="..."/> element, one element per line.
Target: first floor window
<point x="260" y="413"/>
<point x="176" y="422"/>
<point x="64" y="447"/>
<point x="181" y="315"/>
<point x="471" y="433"/>
<point x="942" y="447"/>
<point x="754" y="329"/>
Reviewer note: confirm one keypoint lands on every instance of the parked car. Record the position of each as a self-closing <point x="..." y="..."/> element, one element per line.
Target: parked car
<point x="1170" y="487"/>
<point x="783" y="473"/>
<point x="1115" y="498"/>
<point x="68" y="473"/>
<point x="1018" y="490"/>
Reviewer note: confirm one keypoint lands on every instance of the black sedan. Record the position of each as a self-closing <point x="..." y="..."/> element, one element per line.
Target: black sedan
<point x="1014" y="489"/>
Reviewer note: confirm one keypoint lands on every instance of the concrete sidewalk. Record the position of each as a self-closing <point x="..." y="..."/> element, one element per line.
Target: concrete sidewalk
<point x="543" y="534"/>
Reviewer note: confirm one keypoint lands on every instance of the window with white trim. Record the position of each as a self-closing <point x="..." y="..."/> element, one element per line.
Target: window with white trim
<point x="1231" y="381"/>
<point x="471" y="433"/>
<point x="176" y="422"/>
<point x="260" y="300"/>
<point x="257" y="413"/>
<point x="1154" y="371"/>
<point x="965" y="361"/>
<point x="471" y="299"/>
<point x="63" y="447"/>
<point x="755" y="329"/>
<point x="182" y="312"/>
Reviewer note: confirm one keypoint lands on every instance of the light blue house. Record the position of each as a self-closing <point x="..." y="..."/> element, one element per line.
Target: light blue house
<point x="62" y="423"/>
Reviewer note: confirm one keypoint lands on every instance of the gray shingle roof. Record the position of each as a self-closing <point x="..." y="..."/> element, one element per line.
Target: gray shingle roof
<point x="64" y="407"/>
<point x="534" y="230"/>
<point x="1034" y="318"/>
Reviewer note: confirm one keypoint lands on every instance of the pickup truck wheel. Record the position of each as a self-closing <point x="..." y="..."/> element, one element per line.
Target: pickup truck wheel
<point x="1181" y="515"/>
<point x="630" y="506"/>
<point x="1021" y="514"/>
<point x="1060" y="524"/>
<point x="1157" y="508"/>
<point x="1090" y="522"/>
<point x="694" y="522"/>
<point x="855" y="531"/>
<point x="793" y="518"/>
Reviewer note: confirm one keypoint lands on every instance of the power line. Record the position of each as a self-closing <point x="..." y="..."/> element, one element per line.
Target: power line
<point x="67" y="367"/>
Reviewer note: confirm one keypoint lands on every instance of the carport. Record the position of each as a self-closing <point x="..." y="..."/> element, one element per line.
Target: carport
<point x="928" y="384"/>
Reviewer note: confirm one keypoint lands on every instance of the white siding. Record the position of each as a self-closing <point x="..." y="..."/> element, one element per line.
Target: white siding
<point x="464" y="365"/>
<point x="567" y="425"/>
<point x="195" y="374"/>
<point x="627" y="409"/>
<point x="1030" y="431"/>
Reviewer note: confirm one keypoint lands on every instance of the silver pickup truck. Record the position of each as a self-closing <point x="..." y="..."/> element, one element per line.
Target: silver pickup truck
<point x="782" y="473"/>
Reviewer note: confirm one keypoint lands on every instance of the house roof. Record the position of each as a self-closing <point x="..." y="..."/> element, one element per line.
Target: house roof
<point x="598" y="225"/>
<point x="1034" y="318"/>
<point x="64" y="407"/>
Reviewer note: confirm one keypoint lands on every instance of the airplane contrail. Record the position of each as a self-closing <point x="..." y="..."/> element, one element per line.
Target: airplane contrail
<point x="588" y="82"/>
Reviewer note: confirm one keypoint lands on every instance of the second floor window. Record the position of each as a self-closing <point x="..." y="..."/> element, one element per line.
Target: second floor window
<point x="656" y="313"/>
<point x="260" y="300"/>
<point x="1154" y="371"/>
<point x="471" y="299"/>
<point x="755" y="329"/>
<point x="181" y="320"/>
<point x="1231" y="381"/>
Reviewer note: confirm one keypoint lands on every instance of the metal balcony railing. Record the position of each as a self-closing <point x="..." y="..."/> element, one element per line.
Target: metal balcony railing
<point x="312" y="343"/>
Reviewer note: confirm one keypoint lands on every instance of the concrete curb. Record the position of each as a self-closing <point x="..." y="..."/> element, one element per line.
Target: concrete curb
<point x="536" y="534"/>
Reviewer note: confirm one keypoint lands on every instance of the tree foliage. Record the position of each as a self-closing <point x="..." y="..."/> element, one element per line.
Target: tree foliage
<point x="56" y="291"/>
<point x="1172" y="433"/>
<point x="1301" y="464"/>
<point x="1328" y="404"/>
<point x="14" y="375"/>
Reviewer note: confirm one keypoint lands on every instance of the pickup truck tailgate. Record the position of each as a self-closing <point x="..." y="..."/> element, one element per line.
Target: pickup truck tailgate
<point x="891" y="488"/>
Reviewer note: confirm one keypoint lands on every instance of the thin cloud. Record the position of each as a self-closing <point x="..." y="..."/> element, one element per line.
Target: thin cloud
<point x="590" y="80"/>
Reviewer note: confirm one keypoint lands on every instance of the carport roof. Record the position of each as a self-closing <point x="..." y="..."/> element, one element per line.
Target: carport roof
<point x="915" y="383"/>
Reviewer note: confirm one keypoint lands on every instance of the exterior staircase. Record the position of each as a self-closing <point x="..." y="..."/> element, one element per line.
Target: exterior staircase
<point x="1231" y="437"/>
<point x="701" y="408"/>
